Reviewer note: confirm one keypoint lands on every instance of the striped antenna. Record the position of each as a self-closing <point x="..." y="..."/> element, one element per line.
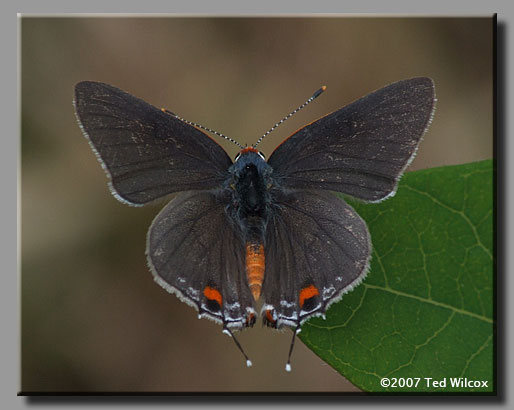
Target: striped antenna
<point x="194" y="124"/>
<point x="313" y="97"/>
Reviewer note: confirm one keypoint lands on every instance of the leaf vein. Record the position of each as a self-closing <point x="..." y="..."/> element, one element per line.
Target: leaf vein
<point x="456" y="211"/>
<point x="475" y="354"/>
<point x="429" y="301"/>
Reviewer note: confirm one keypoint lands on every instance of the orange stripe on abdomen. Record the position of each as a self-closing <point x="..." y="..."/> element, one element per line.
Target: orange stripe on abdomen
<point x="255" y="268"/>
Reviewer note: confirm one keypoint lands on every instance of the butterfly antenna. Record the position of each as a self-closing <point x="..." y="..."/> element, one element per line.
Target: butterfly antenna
<point x="194" y="124"/>
<point x="295" y="332"/>
<point x="313" y="97"/>
<point x="228" y="332"/>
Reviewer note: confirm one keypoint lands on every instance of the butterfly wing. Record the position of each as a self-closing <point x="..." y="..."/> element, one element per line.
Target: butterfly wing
<point x="362" y="149"/>
<point x="146" y="152"/>
<point x="317" y="249"/>
<point x="193" y="252"/>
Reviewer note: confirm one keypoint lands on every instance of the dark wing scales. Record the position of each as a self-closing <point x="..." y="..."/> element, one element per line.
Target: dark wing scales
<point x="193" y="252"/>
<point x="362" y="149"/>
<point x="317" y="249"/>
<point x="146" y="153"/>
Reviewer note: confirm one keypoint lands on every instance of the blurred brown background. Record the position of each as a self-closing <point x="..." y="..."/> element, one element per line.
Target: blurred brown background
<point x="92" y="317"/>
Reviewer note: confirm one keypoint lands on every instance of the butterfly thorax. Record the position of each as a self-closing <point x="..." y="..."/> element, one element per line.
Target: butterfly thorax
<point x="250" y="199"/>
<point x="249" y="183"/>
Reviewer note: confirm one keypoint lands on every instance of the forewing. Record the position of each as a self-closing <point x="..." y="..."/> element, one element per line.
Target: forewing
<point x="317" y="249"/>
<point x="193" y="252"/>
<point x="146" y="152"/>
<point x="363" y="148"/>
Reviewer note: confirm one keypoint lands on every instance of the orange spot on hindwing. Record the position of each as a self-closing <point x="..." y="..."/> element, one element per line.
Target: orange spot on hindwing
<point x="307" y="293"/>
<point x="213" y="295"/>
<point x="255" y="267"/>
<point x="270" y="316"/>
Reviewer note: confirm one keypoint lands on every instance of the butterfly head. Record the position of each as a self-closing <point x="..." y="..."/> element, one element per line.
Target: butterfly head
<point x="247" y="150"/>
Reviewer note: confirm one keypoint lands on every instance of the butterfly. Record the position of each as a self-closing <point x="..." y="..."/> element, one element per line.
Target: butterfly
<point x="250" y="230"/>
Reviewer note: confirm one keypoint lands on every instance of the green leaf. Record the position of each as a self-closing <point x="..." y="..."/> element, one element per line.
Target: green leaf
<point x="425" y="309"/>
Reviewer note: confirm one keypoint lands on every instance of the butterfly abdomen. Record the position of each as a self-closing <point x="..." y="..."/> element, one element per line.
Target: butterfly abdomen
<point x="255" y="263"/>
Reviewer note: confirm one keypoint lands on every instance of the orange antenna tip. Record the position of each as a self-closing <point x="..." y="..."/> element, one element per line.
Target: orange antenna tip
<point x="318" y="93"/>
